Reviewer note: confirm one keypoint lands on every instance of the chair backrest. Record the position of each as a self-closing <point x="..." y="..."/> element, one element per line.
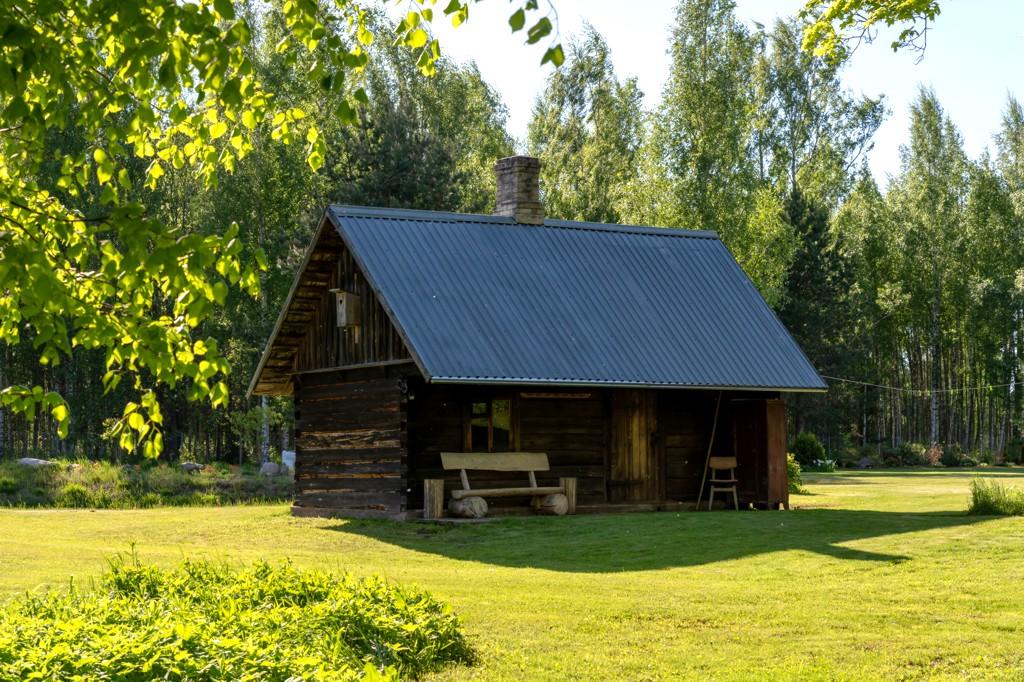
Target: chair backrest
<point x="719" y="463"/>
<point x="495" y="461"/>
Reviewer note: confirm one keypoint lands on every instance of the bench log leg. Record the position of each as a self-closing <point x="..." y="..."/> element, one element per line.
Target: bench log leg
<point x="433" y="498"/>
<point x="569" y="486"/>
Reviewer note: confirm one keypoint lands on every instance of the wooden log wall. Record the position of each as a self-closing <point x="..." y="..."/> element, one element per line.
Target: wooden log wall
<point x="569" y="426"/>
<point x="350" y="438"/>
<point x="324" y="343"/>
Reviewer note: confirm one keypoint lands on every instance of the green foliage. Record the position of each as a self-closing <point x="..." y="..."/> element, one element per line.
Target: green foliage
<point x="587" y="129"/>
<point x="101" y="485"/>
<point x="796" y="481"/>
<point x="807" y="449"/>
<point x="834" y="25"/>
<point x="989" y="497"/>
<point x="139" y="99"/>
<point x="208" y="621"/>
<point x="912" y="454"/>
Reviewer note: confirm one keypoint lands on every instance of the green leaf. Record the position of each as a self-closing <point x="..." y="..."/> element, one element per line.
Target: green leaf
<point x="218" y="129"/>
<point x="224" y="8"/>
<point x="554" y="55"/>
<point x="539" y="30"/>
<point x="517" y="20"/>
<point x="417" y="39"/>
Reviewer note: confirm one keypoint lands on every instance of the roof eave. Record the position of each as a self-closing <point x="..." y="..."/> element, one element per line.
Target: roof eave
<point x="593" y="383"/>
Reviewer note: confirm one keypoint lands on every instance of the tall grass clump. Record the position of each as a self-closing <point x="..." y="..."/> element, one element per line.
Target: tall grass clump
<point x="206" y="621"/>
<point x="992" y="498"/>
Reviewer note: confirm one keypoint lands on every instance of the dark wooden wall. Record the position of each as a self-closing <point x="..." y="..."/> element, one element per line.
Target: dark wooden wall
<point x="325" y="344"/>
<point x="350" y="443"/>
<point x="569" y="426"/>
<point x="684" y="422"/>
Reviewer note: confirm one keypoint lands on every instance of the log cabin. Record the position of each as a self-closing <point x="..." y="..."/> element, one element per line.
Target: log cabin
<point x="628" y="355"/>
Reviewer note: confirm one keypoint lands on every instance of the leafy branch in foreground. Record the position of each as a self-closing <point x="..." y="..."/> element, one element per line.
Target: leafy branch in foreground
<point x="148" y="87"/>
<point x="835" y="25"/>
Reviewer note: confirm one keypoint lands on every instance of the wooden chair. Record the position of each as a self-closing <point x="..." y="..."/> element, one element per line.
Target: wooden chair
<point x="723" y="485"/>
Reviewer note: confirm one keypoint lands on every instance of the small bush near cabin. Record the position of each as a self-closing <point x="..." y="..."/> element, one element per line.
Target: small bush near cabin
<point x="806" y="448"/>
<point x="204" y="621"/>
<point x="992" y="498"/>
<point x="796" y="481"/>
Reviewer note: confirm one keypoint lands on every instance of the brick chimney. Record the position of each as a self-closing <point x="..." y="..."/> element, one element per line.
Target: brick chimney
<point x="519" y="189"/>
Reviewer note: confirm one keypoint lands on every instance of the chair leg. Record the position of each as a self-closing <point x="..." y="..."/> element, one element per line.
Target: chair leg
<point x="711" y="498"/>
<point x="735" y="500"/>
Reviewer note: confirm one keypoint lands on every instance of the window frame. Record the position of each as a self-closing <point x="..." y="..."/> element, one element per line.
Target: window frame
<point x="467" y="422"/>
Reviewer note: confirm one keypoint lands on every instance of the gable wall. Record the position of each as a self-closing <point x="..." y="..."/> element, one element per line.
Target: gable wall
<point x="325" y="344"/>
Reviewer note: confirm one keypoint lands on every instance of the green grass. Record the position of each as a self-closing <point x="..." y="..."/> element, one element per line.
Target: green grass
<point x="875" y="574"/>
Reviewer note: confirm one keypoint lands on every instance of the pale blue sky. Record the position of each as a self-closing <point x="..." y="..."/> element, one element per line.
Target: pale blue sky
<point x="974" y="59"/>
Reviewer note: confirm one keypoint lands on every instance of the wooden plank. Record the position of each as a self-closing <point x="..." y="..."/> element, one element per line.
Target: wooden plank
<point x="433" y="498"/>
<point x="495" y="461"/>
<point x="506" y="492"/>
<point x="568" y="486"/>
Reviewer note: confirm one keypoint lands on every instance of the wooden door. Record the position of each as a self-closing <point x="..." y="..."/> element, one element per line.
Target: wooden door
<point x="759" y="437"/>
<point x="634" y="463"/>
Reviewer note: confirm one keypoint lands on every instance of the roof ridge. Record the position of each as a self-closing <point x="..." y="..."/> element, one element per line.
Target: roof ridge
<point x="345" y="210"/>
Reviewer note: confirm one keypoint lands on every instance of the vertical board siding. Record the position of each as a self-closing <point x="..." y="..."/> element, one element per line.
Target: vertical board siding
<point x="635" y="465"/>
<point x="327" y="345"/>
<point x="350" y="442"/>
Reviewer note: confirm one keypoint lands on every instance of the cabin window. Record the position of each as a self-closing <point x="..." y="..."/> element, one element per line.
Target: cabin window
<point x="490" y="426"/>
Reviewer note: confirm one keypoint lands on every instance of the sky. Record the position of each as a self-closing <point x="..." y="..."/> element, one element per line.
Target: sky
<point x="973" y="61"/>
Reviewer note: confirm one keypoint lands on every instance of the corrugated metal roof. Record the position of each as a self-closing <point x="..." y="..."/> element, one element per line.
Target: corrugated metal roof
<point x="482" y="299"/>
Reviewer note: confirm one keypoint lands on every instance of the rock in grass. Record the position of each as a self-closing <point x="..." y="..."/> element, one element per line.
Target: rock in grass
<point x="36" y="462"/>
<point x="468" y="508"/>
<point x="270" y="469"/>
<point x="191" y="467"/>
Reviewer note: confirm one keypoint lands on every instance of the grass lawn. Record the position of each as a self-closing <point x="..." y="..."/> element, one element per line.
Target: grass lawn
<point x="874" y="574"/>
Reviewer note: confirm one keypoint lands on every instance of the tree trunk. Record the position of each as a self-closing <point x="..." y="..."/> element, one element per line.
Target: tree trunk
<point x="936" y="369"/>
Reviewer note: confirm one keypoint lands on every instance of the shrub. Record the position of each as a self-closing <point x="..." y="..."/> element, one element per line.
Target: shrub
<point x="208" y="621"/>
<point x="806" y="448"/>
<point x="933" y="455"/>
<point x="992" y="498"/>
<point x="796" y="481"/>
<point x="109" y="486"/>
<point x="74" y="495"/>
<point x="8" y="486"/>
<point x="912" y="454"/>
<point x="951" y="457"/>
<point x="822" y="465"/>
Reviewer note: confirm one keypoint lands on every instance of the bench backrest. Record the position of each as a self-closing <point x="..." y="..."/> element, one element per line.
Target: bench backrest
<point x="495" y="461"/>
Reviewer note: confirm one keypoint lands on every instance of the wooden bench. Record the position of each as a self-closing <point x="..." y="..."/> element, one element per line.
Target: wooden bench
<point x="526" y="462"/>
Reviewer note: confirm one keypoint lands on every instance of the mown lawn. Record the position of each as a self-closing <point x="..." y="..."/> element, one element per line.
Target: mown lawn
<point x="873" y="575"/>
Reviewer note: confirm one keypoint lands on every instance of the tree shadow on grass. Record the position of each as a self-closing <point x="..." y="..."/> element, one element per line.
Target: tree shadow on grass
<point x="651" y="541"/>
